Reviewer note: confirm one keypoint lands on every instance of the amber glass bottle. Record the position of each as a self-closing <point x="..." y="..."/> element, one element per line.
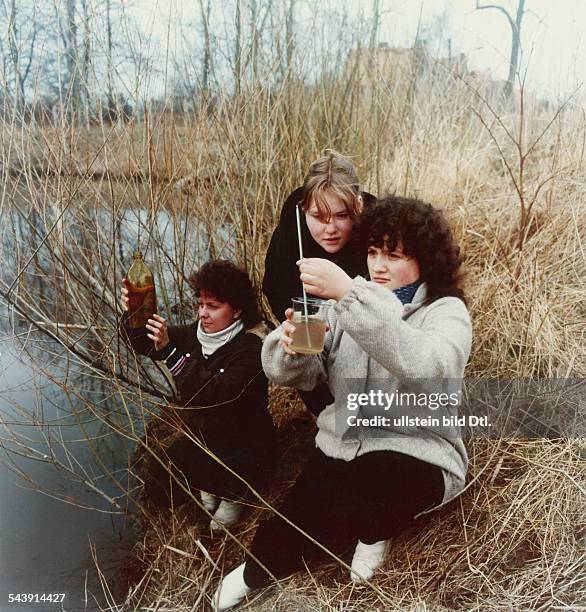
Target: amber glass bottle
<point x="142" y="293"/>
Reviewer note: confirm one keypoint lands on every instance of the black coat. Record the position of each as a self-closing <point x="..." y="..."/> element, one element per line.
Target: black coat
<point x="223" y="401"/>
<point x="281" y="280"/>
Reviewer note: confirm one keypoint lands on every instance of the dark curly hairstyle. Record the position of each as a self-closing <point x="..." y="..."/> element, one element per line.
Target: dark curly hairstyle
<point x="424" y="234"/>
<point x="228" y="283"/>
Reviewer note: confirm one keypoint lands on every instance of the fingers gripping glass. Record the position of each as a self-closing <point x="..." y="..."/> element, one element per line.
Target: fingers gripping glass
<point x="310" y="321"/>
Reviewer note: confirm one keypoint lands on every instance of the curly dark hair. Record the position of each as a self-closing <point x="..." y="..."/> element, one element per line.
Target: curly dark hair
<point x="424" y="234"/>
<point x="228" y="283"/>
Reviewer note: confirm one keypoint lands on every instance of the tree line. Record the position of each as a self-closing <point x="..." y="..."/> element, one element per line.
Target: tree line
<point x="107" y="60"/>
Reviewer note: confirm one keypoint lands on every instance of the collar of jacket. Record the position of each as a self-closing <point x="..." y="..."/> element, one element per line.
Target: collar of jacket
<point x="407" y="292"/>
<point x="210" y="343"/>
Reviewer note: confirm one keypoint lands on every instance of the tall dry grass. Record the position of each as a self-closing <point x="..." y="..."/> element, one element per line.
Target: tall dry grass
<point x="75" y="202"/>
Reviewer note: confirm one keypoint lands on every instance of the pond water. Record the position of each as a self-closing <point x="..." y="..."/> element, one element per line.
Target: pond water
<point x="59" y="509"/>
<point x="50" y="518"/>
<point x="60" y="514"/>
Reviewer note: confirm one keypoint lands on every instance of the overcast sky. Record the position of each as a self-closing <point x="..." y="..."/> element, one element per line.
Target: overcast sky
<point x="553" y="46"/>
<point x="553" y="33"/>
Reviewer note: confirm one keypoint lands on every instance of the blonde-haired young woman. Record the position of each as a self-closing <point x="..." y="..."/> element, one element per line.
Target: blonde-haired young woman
<point x="330" y="201"/>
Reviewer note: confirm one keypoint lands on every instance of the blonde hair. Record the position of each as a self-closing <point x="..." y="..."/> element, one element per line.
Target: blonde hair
<point x="331" y="174"/>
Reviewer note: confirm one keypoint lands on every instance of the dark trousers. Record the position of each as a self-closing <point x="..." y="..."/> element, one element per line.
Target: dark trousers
<point x="371" y="498"/>
<point x="196" y="470"/>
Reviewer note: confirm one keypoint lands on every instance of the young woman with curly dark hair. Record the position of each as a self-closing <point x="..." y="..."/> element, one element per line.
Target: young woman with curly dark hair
<point x="222" y="391"/>
<point x="229" y="285"/>
<point x="394" y="357"/>
<point x="421" y="234"/>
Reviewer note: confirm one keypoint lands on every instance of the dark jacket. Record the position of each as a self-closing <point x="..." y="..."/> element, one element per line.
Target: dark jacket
<point x="281" y="280"/>
<point x="223" y="400"/>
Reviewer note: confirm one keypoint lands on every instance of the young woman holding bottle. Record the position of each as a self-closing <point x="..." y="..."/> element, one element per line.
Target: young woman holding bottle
<point x="222" y="395"/>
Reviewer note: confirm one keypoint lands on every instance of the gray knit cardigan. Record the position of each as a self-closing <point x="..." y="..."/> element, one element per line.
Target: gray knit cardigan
<point x="377" y="343"/>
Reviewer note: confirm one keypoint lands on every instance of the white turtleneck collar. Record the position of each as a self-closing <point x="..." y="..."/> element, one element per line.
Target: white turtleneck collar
<point x="210" y="343"/>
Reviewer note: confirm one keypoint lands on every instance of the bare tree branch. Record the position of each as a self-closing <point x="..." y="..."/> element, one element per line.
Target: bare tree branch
<point x="498" y="8"/>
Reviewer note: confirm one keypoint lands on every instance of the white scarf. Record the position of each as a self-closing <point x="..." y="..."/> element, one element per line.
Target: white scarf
<point x="210" y="343"/>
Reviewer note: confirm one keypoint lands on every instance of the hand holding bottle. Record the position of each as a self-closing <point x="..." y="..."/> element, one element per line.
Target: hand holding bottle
<point x="158" y="328"/>
<point x="124" y="296"/>
<point x="156" y="325"/>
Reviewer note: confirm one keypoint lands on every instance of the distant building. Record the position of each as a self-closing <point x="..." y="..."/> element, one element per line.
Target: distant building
<point x="414" y="66"/>
<point x="396" y="64"/>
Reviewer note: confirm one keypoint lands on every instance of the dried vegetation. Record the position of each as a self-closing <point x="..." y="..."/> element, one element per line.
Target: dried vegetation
<point x="210" y="183"/>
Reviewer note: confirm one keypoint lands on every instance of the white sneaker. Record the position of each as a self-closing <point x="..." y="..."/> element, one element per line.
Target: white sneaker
<point x="210" y="502"/>
<point x="231" y="591"/>
<point x="227" y="514"/>
<point x="367" y="557"/>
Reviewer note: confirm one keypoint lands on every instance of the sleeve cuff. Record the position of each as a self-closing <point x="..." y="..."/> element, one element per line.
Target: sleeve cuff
<point x="363" y="291"/>
<point x="175" y="360"/>
<point x="353" y="295"/>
